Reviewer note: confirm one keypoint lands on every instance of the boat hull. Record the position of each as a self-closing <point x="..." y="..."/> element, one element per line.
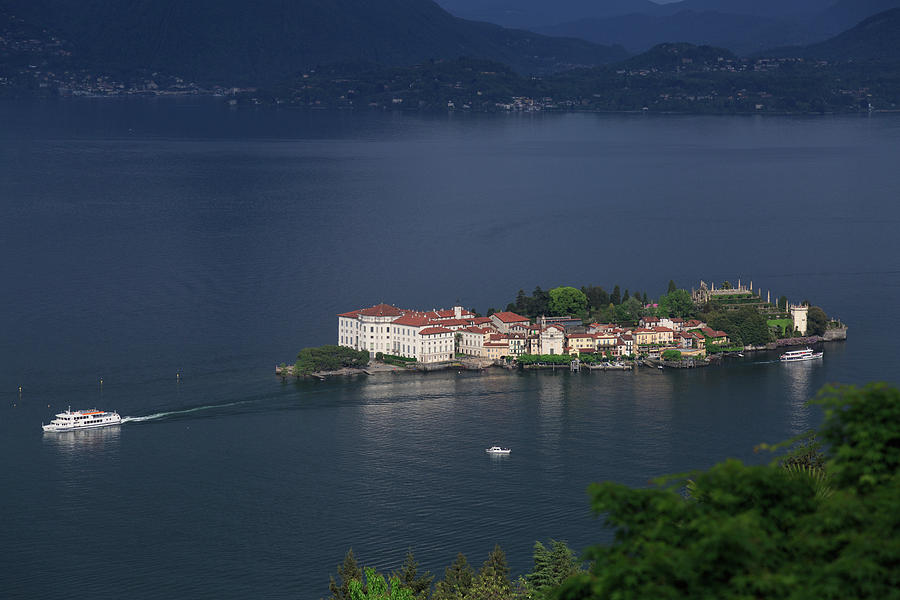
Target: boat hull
<point x="54" y="428"/>
<point x="815" y="356"/>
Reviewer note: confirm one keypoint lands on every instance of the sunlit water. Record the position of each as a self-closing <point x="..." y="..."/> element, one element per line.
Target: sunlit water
<point x="147" y="240"/>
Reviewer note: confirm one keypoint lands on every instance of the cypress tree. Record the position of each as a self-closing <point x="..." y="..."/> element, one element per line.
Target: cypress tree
<point x="409" y="576"/>
<point x="457" y="581"/>
<point x="346" y="573"/>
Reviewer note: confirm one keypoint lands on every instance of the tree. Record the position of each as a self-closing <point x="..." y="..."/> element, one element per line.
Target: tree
<point x="672" y="286"/>
<point x="409" y="577"/>
<point x="629" y="311"/>
<point x="376" y="588"/>
<point x="726" y="285"/>
<point x="457" y="581"/>
<point x="783" y="303"/>
<point x="671" y="355"/>
<point x="644" y="299"/>
<point x="493" y="581"/>
<point x="551" y="567"/>
<point x="816" y="321"/>
<point x="626" y="296"/>
<point x="347" y="572"/>
<point x="681" y="304"/>
<point x="566" y="300"/>
<point x="616" y="296"/>
<point x="540" y="302"/>
<point x="763" y="531"/>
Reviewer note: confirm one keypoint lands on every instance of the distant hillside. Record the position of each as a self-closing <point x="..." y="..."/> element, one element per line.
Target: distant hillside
<point x="252" y="42"/>
<point x="845" y="14"/>
<point x="532" y="14"/>
<point x="668" y="57"/>
<point x="744" y="26"/>
<point x="638" y="32"/>
<point x="877" y="39"/>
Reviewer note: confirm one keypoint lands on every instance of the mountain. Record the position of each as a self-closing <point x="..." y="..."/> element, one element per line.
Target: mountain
<point x="875" y="40"/>
<point x="845" y="14"/>
<point x="241" y="42"/>
<point x="758" y="8"/>
<point x="532" y="14"/>
<point x="638" y="32"/>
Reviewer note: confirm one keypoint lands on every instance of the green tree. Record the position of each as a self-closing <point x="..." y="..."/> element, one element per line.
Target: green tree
<point x="681" y="304"/>
<point x="672" y="287"/>
<point x="409" y="577"/>
<point x="551" y="567"/>
<point x="540" y="302"/>
<point x="457" y="581"/>
<point x="566" y="300"/>
<point x="671" y="355"/>
<point x="616" y="296"/>
<point x="347" y="572"/>
<point x="493" y="581"/>
<point x="377" y="588"/>
<point x="764" y="531"/>
<point x="626" y="296"/>
<point x="629" y="311"/>
<point x="816" y="321"/>
<point x="783" y="303"/>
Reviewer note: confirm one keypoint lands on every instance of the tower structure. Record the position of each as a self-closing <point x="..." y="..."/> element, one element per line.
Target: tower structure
<point x="799" y="314"/>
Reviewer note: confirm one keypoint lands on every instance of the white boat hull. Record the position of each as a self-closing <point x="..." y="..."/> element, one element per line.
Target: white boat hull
<point x="82" y="419"/>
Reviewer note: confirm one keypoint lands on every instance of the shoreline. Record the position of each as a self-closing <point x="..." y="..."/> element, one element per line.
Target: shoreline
<point x="482" y="364"/>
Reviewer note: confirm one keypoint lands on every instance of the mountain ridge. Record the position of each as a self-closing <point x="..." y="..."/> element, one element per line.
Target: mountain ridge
<point x="269" y="40"/>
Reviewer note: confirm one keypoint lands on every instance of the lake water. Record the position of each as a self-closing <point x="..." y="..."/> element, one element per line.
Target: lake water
<point x="142" y="239"/>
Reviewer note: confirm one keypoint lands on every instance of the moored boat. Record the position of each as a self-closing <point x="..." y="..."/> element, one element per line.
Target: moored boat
<point x="798" y="355"/>
<point x="497" y="450"/>
<point x="72" y="420"/>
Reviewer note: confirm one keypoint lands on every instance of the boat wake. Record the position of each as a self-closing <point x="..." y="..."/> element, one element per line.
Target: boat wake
<point x="163" y="415"/>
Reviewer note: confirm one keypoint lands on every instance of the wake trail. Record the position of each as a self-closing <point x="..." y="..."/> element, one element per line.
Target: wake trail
<point x="186" y="411"/>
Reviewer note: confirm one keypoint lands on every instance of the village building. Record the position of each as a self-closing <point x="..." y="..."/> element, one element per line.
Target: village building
<point x="503" y="320"/>
<point x="581" y="341"/>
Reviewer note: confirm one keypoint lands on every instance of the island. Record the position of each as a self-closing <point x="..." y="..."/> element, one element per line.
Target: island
<point x="572" y="328"/>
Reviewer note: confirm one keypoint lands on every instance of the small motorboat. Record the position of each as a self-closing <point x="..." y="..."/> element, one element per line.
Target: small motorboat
<point x="497" y="450"/>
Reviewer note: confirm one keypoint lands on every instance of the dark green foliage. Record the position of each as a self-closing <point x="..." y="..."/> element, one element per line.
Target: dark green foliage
<point x="816" y="321"/>
<point x="457" y="581"/>
<point x="744" y="326"/>
<point x="567" y="301"/>
<point x="862" y="428"/>
<point x="677" y="303"/>
<point x="329" y="358"/>
<point x="616" y="296"/>
<point x="672" y="287"/>
<point x="347" y="572"/>
<point x="551" y="567"/>
<point x="548" y="359"/>
<point x="629" y="311"/>
<point x="671" y="355"/>
<point x="409" y="577"/>
<point x="767" y="531"/>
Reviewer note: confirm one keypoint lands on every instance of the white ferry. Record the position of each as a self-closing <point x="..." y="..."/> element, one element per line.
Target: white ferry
<point x="497" y="450"/>
<point x="798" y="355"/>
<point x="82" y="419"/>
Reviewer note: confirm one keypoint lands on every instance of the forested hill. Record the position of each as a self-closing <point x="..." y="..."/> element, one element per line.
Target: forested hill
<point x="259" y="41"/>
<point x="877" y="39"/>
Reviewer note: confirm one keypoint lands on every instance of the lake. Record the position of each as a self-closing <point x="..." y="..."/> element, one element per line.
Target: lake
<point x="179" y="249"/>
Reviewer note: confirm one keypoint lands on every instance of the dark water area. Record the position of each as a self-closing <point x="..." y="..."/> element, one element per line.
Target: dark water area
<point x="144" y="239"/>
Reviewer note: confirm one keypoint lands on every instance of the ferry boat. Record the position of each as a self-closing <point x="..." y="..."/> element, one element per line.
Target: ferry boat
<point x="497" y="450"/>
<point x="798" y="355"/>
<point x="72" y="420"/>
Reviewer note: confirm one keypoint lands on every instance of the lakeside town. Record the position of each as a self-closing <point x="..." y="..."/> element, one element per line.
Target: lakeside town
<point x="684" y="329"/>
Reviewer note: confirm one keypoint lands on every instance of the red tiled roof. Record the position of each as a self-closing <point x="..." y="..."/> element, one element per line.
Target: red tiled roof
<point x="381" y="310"/>
<point x="435" y="330"/>
<point x="354" y="314"/>
<point x="650" y="319"/>
<point x="585" y="351"/>
<point x="497" y="344"/>
<point x="509" y="317"/>
<point x="452" y="322"/>
<point x="480" y="320"/>
<point x="412" y="320"/>
<point x="661" y="329"/>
